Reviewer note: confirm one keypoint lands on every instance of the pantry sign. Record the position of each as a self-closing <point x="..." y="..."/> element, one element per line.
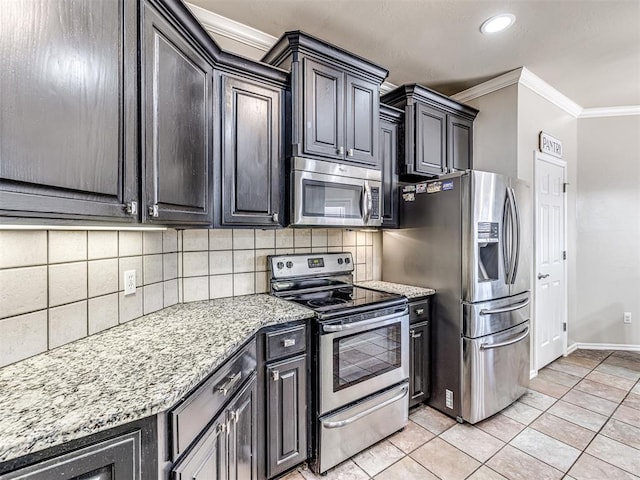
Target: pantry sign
<point x="550" y="145"/>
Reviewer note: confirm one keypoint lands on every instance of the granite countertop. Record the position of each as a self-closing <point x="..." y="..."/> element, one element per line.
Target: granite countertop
<point x="408" y="291"/>
<point x="126" y="373"/>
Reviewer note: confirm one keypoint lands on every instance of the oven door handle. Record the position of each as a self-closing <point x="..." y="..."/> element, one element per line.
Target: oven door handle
<point x="369" y="411"/>
<point x="363" y="323"/>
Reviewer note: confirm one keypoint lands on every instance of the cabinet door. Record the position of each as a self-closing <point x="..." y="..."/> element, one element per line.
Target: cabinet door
<point x="115" y="459"/>
<point x="68" y="114"/>
<point x="208" y="459"/>
<point x="460" y="144"/>
<point x="362" y="113"/>
<point x="389" y="157"/>
<point x="419" y="378"/>
<point x="177" y="125"/>
<point x="286" y="414"/>
<point x="431" y="146"/>
<point x="323" y="117"/>
<point x="251" y="153"/>
<point x="242" y="433"/>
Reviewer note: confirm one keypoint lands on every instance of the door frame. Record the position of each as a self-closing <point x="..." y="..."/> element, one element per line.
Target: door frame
<point x="543" y="157"/>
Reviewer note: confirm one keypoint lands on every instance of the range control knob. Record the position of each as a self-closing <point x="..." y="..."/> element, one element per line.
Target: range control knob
<point x="347" y="260"/>
<point x="289" y="264"/>
<point x="280" y="265"/>
<point x="340" y="261"/>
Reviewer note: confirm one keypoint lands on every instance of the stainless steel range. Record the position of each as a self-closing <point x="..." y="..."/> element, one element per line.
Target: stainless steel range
<point x="360" y="354"/>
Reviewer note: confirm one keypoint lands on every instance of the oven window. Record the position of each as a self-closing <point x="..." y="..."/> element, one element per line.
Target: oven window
<point x="322" y="199"/>
<point x="361" y="356"/>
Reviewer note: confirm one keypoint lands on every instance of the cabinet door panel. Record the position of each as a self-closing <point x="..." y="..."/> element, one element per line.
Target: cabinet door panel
<point x="419" y="354"/>
<point x="431" y="130"/>
<point x="251" y="153"/>
<point x="388" y="156"/>
<point x="243" y="441"/>
<point x="323" y="110"/>
<point x="68" y="112"/>
<point x="460" y="146"/>
<point x="286" y="410"/>
<point x="208" y="459"/>
<point x="178" y="131"/>
<point x="362" y="110"/>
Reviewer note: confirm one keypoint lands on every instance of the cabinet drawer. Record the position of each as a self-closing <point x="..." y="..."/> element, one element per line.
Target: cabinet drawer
<point x="286" y="342"/>
<point x="419" y="311"/>
<point x="190" y="417"/>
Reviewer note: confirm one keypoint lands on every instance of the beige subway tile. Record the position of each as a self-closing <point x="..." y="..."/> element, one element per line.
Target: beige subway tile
<point x="285" y="251"/>
<point x="151" y="269"/>
<point x="348" y="238"/>
<point x="129" y="244"/>
<point x="180" y="239"/>
<point x="261" y="259"/>
<point x="195" y="288"/>
<point x="103" y="277"/>
<point x="243" y="284"/>
<point x="67" y="246"/>
<point x="301" y="250"/>
<point x="262" y="282"/>
<point x="102" y="245"/>
<point x="195" y="264"/>
<point x="221" y="286"/>
<point x="265" y="239"/>
<point x="67" y="283"/>
<point x="302" y="238"/>
<point x="319" y="249"/>
<point x="352" y="251"/>
<point x="169" y="241"/>
<point x="369" y="238"/>
<point x="129" y="263"/>
<point x="22" y="336"/>
<point x="334" y="238"/>
<point x="22" y="290"/>
<point x="369" y="270"/>
<point x="170" y="265"/>
<point x="67" y="323"/>
<point x="361" y="255"/>
<point x="243" y="239"/>
<point x="243" y="261"/>
<point x="369" y="255"/>
<point x="220" y="239"/>
<point x="334" y="249"/>
<point x="170" y="292"/>
<point x="103" y="313"/>
<point x="361" y="239"/>
<point x="153" y="298"/>
<point x="195" y="240"/>
<point x="19" y="248"/>
<point x="130" y="305"/>
<point x="151" y="243"/>
<point x="284" y="238"/>
<point x="220" y="262"/>
<point x="319" y="238"/>
<point x="361" y="273"/>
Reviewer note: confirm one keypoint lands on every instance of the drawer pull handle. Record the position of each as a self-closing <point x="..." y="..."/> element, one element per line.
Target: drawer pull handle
<point x="414" y="334"/>
<point x="225" y="387"/>
<point x="419" y="311"/>
<point x="275" y="375"/>
<point x="289" y="342"/>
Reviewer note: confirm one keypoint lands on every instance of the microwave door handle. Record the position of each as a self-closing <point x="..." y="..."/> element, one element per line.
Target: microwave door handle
<point x="368" y="202"/>
<point x="515" y="219"/>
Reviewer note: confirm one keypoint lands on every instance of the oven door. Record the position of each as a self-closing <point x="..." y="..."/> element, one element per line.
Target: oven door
<point x="361" y="358"/>
<point x="329" y="194"/>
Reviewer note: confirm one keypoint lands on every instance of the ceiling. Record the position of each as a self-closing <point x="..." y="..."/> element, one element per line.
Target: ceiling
<point x="589" y="50"/>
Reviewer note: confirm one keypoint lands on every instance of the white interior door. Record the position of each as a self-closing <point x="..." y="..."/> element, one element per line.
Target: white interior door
<point x="550" y="278"/>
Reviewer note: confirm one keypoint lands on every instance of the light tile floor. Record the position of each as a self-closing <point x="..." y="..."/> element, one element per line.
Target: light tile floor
<point x="579" y="420"/>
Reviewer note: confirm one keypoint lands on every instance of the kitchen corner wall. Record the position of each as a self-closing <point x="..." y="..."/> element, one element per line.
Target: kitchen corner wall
<point x="59" y="286"/>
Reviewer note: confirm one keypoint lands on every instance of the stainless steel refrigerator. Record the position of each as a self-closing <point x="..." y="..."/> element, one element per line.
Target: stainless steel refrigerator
<point x="469" y="237"/>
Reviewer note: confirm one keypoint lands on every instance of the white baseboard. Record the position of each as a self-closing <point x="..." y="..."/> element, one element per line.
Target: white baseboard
<point x="603" y="346"/>
<point x="533" y="374"/>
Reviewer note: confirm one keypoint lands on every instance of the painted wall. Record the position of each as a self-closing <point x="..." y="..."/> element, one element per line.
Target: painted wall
<point x="608" y="231"/>
<point x="495" y="129"/>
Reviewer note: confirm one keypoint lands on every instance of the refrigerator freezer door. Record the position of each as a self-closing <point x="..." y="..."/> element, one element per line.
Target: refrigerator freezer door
<point x="486" y="242"/>
<point x="521" y="279"/>
<point x="495" y="372"/>
<point x="485" y="318"/>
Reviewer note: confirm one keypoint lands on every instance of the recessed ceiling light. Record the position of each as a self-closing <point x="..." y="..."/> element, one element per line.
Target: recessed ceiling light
<point x="498" y="23"/>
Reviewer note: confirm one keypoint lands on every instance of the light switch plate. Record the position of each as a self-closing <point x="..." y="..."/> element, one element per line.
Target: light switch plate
<point x="129" y="282"/>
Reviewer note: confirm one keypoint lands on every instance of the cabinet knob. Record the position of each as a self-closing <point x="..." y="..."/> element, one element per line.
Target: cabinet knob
<point x="275" y="375"/>
<point x="350" y="152"/>
<point x="288" y="342"/>
<point x="132" y="208"/>
<point x="153" y="210"/>
<point x="419" y="311"/>
<point x="341" y="151"/>
<point x="275" y="217"/>
<point x="414" y="334"/>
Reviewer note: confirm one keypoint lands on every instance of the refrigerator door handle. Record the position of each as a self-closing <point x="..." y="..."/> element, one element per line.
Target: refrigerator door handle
<point x="515" y="218"/>
<point x="509" y="308"/>
<point x="506" y="237"/>
<point x="489" y="346"/>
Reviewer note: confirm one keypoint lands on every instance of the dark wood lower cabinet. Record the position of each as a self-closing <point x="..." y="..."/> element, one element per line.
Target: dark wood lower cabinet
<point x="419" y="352"/>
<point x="286" y="384"/>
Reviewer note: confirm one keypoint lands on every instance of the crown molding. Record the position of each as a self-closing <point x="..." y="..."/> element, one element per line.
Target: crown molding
<point x="386" y="87"/>
<point x="610" y="111"/>
<point x="546" y="91"/>
<point x="217" y="24"/>
<point x="490" y="86"/>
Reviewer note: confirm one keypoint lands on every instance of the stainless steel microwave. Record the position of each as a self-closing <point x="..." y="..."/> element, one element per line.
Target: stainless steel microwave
<point x="334" y="195"/>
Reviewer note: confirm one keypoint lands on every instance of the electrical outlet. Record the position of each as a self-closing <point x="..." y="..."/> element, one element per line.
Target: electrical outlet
<point x="129" y="282"/>
<point x="626" y="317"/>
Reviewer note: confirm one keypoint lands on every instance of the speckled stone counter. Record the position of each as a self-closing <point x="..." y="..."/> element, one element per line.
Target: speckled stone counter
<point x="408" y="291"/>
<point x="127" y="373"/>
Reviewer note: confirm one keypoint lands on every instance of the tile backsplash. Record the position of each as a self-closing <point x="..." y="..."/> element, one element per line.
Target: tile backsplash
<point x="58" y="286"/>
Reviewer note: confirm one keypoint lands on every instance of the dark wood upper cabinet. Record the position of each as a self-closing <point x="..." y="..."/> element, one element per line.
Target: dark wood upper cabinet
<point x="390" y="131"/>
<point x="68" y="115"/>
<point x="333" y="112"/>
<point x="177" y="124"/>
<point x="252" y="152"/>
<point x="438" y="131"/>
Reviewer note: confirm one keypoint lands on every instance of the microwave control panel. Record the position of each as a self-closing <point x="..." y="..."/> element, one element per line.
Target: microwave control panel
<point x="375" y="200"/>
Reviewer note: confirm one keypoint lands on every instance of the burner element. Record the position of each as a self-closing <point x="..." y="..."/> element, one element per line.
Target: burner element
<point x="325" y="302"/>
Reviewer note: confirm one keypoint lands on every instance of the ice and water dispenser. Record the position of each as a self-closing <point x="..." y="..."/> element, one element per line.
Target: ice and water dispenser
<point x="488" y="251"/>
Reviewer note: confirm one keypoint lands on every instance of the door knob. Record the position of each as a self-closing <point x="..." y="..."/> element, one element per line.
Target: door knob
<point x="540" y="276"/>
